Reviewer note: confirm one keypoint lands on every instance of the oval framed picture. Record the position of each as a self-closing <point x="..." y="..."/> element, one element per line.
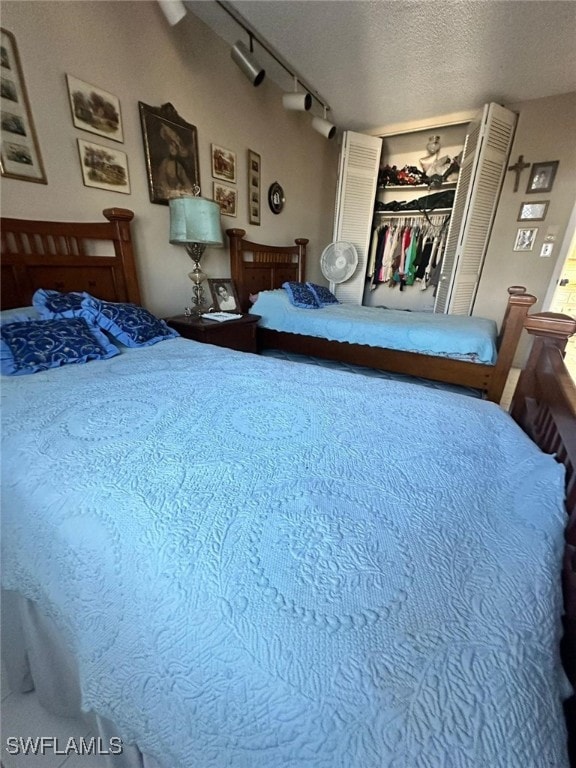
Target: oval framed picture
<point x="276" y="197"/>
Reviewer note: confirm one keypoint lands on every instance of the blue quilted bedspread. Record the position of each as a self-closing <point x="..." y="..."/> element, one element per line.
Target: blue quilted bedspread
<point x="455" y="336"/>
<point x="263" y="564"/>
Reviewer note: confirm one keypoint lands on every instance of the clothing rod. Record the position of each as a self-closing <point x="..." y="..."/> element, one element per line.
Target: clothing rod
<point x="251" y="32"/>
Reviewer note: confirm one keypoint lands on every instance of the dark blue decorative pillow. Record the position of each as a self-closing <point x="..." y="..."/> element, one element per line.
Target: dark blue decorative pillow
<point x="324" y="297"/>
<point x="130" y="324"/>
<point x="56" y="305"/>
<point x="300" y="295"/>
<point x="37" y="345"/>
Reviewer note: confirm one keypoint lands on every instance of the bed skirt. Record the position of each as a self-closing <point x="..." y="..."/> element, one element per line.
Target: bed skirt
<point x="36" y="658"/>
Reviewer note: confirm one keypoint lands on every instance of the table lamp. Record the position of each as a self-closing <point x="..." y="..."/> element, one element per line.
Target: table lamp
<point x="195" y="223"/>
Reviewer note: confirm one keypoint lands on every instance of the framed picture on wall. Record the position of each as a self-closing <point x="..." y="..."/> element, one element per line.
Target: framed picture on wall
<point x="254" y="172"/>
<point x="525" y="239"/>
<point x="542" y="177"/>
<point x="20" y="156"/>
<point x="223" y="164"/>
<point x="104" y="167"/>
<point x="171" y="153"/>
<point x="535" y="211"/>
<point x="227" y="198"/>
<point x="94" y="110"/>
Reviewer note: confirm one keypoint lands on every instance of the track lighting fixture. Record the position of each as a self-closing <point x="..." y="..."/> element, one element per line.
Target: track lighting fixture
<point x="245" y="60"/>
<point x="301" y="102"/>
<point x="322" y="125"/>
<point x="173" y="10"/>
<point x="298" y="100"/>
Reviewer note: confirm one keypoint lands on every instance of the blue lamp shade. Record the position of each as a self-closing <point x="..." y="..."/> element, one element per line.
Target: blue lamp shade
<point x="195" y="220"/>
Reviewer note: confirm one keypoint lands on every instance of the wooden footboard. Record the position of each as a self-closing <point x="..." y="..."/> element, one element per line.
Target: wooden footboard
<point x="257" y="267"/>
<point x="490" y="379"/>
<point x="544" y="405"/>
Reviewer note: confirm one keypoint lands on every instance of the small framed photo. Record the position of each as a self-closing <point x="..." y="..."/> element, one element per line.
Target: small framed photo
<point x="254" y="163"/>
<point x="94" y="110"/>
<point x="535" y="211"/>
<point x="525" y="239"/>
<point x="542" y="177"/>
<point x="223" y="164"/>
<point x="104" y="167"/>
<point x="224" y="294"/>
<point x="20" y="153"/>
<point x="226" y="197"/>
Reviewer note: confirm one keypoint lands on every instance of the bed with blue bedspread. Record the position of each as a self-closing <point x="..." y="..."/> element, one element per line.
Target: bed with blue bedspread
<point x="472" y="339"/>
<point x="258" y="563"/>
<point x="455" y="349"/>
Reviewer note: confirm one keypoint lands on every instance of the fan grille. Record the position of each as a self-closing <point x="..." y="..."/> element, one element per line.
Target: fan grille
<point x="338" y="261"/>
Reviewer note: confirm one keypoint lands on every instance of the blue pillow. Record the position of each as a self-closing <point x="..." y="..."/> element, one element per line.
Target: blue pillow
<point x="56" y="305"/>
<point x="130" y="324"/>
<point x="21" y="314"/>
<point x="324" y="297"/>
<point x="37" y="345"/>
<point x="300" y="295"/>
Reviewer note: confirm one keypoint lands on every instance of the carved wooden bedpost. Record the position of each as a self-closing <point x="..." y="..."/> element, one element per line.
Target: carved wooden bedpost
<point x="120" y="218"/>
<point x="519" y="303"/>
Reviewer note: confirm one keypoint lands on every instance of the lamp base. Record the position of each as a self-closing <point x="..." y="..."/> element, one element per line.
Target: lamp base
<point x="198" y="307"/>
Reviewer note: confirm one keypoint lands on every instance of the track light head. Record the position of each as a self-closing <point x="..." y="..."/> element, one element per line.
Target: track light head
<point x="247" y="63"/>
<point x="300" y="102"/>
<point x="173" y="10"/>
<point x="322" y="125"/>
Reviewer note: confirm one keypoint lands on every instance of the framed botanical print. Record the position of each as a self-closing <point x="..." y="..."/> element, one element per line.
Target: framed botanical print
<point x="94" y="110"/>
<point x="254" y="170"/>
<point x="171" y="153"/>
<point x="20" y="156"/>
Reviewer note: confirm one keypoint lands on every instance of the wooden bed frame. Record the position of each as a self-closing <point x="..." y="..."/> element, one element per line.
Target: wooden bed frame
<point x="60" y="255"/>
<point x="57" y="255"/>
<point x="257" y="267"/>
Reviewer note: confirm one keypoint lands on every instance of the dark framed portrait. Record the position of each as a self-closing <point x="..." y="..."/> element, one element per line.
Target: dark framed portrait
<point x="224" y="296"/>
<point x="171" y="153"/>
<point x="542" y="177"/>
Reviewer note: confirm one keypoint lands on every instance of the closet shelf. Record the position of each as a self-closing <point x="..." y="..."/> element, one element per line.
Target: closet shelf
<point x="396" y="187"/>
<point x="413" y="212"/>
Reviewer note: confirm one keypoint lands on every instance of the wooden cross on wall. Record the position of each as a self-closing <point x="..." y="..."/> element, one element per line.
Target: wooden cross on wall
<point x="519" y="166"/>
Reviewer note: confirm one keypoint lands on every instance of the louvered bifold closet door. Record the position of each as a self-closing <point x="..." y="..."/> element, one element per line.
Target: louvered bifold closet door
<point x="486" y="152"/>
<point x="355" y="196"/>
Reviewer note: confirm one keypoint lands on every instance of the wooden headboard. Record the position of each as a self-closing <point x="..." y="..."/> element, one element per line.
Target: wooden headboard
<point x="68" y="256"/>
<point x="257" y="267"/>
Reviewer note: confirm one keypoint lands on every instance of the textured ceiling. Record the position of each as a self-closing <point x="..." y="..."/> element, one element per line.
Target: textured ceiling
<point x="379" y="62"/>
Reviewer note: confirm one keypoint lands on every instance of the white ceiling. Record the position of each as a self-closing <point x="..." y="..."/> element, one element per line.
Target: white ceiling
<point x="381" y="62"/>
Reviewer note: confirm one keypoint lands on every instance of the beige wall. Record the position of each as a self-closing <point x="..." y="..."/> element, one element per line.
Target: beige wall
<point x="545" y="131"/>
<point x="127" y="48"/>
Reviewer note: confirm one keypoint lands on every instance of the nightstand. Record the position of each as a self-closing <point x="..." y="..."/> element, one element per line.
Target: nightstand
<point x="237" y="334"/>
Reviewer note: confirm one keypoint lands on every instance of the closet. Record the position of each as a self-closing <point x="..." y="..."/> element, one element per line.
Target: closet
<point x="462" y="231"/>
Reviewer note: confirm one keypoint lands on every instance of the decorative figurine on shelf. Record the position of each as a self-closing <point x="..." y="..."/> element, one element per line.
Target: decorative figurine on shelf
<point x="433" y="146"/>
<point x="437" y="169"/>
